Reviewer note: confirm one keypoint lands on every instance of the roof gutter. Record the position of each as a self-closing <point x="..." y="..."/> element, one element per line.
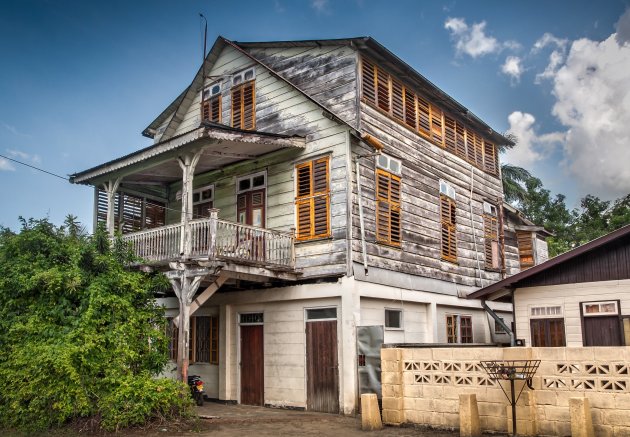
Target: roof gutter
<point x="499" y="321"/>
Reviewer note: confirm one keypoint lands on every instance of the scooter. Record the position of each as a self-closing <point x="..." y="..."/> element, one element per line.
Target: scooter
<point x="196" y="388"/>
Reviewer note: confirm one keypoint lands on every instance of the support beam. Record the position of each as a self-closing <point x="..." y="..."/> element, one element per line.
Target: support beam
<point x="187" y="162"/>
<point x="205" y="295"/>
<point x="110" y="187"/>
<point x="185" y="287"/>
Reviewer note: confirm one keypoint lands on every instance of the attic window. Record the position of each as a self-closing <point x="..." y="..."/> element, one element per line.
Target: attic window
<point x="211" y="107"/>
<point x="244" y="100"/>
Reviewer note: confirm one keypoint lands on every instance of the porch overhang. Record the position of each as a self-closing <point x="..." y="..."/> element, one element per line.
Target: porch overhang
<point x="220" y="146"/>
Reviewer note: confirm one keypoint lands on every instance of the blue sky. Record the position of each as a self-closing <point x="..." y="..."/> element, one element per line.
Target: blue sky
<point x="80" y="80"/>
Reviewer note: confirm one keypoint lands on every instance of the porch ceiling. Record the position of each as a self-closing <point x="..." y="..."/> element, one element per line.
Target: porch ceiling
<point x="220" y="146"/>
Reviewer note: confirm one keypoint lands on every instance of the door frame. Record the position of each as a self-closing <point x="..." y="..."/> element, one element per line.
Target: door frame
<point x="337" y="308"/>
<point x="618" y="315"/>
<point x="238" y="350"/>
<point x="264" y="186"/>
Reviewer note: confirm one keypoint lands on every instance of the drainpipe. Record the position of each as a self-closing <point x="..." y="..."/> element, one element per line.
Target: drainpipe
<point x="499" y="321"/>
<point x="472" y="223"/>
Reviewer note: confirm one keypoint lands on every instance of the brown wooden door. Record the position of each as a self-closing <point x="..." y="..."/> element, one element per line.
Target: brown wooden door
<point x="547" y="332"/>
<point x="322" y="369"/>
<point x="602" y="331"/>
<point x="252" y="365"/>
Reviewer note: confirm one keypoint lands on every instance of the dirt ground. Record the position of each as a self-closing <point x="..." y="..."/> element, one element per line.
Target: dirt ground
<point x="241" y="420"/>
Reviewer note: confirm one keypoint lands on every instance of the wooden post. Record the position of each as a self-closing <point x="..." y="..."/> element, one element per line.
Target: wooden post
<point x="110" y="187"/>
<point x="214" y="216"/>
<point x="185" y="283"/>
<point x="187" y="163"/>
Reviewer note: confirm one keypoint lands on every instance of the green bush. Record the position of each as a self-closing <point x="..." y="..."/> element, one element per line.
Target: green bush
<point x="80" y="334"/>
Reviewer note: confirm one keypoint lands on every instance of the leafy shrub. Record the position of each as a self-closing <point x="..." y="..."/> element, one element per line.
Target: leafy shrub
<point x="80" y="334"/>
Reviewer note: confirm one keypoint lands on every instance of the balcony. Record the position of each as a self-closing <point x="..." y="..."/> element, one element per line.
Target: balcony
<point x="213" y="239"/>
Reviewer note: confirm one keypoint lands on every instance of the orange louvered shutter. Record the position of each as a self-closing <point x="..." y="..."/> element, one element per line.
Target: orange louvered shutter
<point x="460" y="140"/>
<point x="313" y="199"/>
<point x="470" y="144"/>
<point x="212" y="109"/>
<point x="490" y="158"/>
<point x="388" y="197"/>
<point x="244" y="106"/>
<point x="525" y="249"/>
<point x="449" y="239"/>
<point x="449" y="134"/>
<point x="397" y="101"/>
<point x="424" y="117"/>
<point x="491" y="246"/>
<point x="382" y="90"/>
<point x="411" y="116"/>
<point x="479" y="151"/>
<point x="436" y="124"/>
<point x="368" y="81"/>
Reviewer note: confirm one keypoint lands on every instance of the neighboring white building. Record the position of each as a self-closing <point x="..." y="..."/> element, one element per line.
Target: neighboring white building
<point x="301" y="190"/>
<point x="579" y="298"/>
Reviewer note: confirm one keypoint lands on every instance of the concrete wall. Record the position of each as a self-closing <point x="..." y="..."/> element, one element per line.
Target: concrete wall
<point x="422" y="386"/>
<point x="568" y="296"/>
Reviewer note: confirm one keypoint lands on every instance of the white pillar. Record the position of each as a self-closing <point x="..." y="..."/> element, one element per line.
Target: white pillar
<point x="110" y="187"/>
<point x="432" y="323"/>
<point x="350" y="319"/>
<point x="225" y="352"/>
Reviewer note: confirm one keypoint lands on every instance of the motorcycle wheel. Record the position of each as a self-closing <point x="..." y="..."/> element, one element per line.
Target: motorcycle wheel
<point x="199" y="399"/>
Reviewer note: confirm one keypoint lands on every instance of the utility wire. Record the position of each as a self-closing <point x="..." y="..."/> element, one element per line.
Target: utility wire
<point x="36" y="168"/>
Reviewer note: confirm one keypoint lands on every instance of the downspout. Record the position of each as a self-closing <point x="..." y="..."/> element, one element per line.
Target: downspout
<point x="499" y="321"/>
<point x="349" y="221"/>
<point x="472" y="223"/>
<point x="378" y="146"/>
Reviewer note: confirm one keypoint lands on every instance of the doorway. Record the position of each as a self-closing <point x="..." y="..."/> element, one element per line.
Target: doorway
<point x="321" y="360"/>
<point x="252" y="359"/>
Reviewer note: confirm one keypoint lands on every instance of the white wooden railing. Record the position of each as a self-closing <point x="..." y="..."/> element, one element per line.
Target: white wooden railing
<point x="214" y="239"/>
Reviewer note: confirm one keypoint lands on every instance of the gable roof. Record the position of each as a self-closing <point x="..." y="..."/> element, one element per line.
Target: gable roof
<point x="364" y="44"/>
<point x="607" y="241"/>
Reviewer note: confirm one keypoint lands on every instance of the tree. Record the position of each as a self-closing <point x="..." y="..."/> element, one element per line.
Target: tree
<point x="513" y="179"/>
<point x="81" y="335"/>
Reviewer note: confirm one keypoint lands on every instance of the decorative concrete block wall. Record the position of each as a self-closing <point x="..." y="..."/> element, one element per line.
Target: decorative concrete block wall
<point x="422" y="386"/>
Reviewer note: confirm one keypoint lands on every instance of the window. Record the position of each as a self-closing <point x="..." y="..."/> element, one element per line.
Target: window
<point x="244" y="100"/>
<point x="388" y="198"/>
<point x="251" y="318"/>
<point x="383" y="91"/>
<point x="491" y="236"/>
<point x="525" y="249"/>
<point x="321" y="314"/>
<point x="546" y="311"/>
<point x="393" y="319"/>
<point x="498" y="329"/>
<point x="203" y="199"/>
<point x="459" y="328"/>
<point x="132" y="213"/>
<point x="251" y="182"/>
<point x="204" y="339"/>
<point x="312" y="201"/>
<point x="448" y="213"/>
<point x="211" y="106"/>
<point x="608" y="308"/>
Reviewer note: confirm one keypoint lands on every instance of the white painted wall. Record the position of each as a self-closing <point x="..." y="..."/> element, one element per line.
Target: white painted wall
<point x="569" y="297"/>
<point x="414" y="319"/>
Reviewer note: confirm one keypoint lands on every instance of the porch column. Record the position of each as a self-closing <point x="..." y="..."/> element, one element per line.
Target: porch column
<point x="432" y="323"/>
<point x="185" y="282"/>
<point x="187" y="162"/>
<point x="110" y="187"/>
<point x="350" y="319"/>
<point x="225" y="352"/>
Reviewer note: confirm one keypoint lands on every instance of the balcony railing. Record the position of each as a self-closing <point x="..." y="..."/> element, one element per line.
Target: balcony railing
<point x="214" y="239"/>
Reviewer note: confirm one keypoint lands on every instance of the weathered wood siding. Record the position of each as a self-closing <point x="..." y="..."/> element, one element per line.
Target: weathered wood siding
<point x="280" y="108"/>
<point x="327" y="74"/>
<point x="424" y="164"/>
<point x="512" y="258"/>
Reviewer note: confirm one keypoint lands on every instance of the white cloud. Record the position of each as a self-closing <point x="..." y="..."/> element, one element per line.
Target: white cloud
<point x="319" y="5"/>
<point x="592" y="91"/>
<point x="472" y="40"/>
<point x="6" y="165"/>
<point x="23" y="156"/>
<point x="623" y="28"/>
<point x="548" y="39"/>
<point x="556" y="58"/>
<point x="13" y="129"/>
<point x="531" y="147"/>
<point x="513" y="67"/>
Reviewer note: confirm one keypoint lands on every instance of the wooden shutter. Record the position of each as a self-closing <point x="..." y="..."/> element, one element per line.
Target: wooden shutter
<point x="411" y="115"/>
<point x="172" y="333"/>
<point x="451" y="328"/>
<point x="465" y="332"/>
<point x="214" y="340"/>
<point x="479" y="152"/>
<point x="460" y="140"/>
<point x="382" y="90"/>
<point x="449" y="134"/>
<point x="154" y="214"/>
<point x="470" y="145"/>
<point x="131" y="213"/>
<point x="398" y="107"/>
<point x="202" y="339"/>
<point x="491" y="243"/>
<point x="449" y="241"/>
<point x="436" y="124"/>
<point x="313" y="199"/>
<point x="244" y="106"/>
<point x="212" y="109"/>
<point x="368" y="81"/>
<point x="424" y="117"/>
<point x="525" y="249"/>
<point x="490" y="158"/>
<point x="547" y="332"/>
<point x="388" y="225"/>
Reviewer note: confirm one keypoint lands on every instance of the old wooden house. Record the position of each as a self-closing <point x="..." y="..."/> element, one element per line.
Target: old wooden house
<point x="298" y="191"/>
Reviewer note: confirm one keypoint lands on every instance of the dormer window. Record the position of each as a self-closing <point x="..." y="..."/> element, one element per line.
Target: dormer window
<point x="244" y="100"/>
<point x="211" y="107"/>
